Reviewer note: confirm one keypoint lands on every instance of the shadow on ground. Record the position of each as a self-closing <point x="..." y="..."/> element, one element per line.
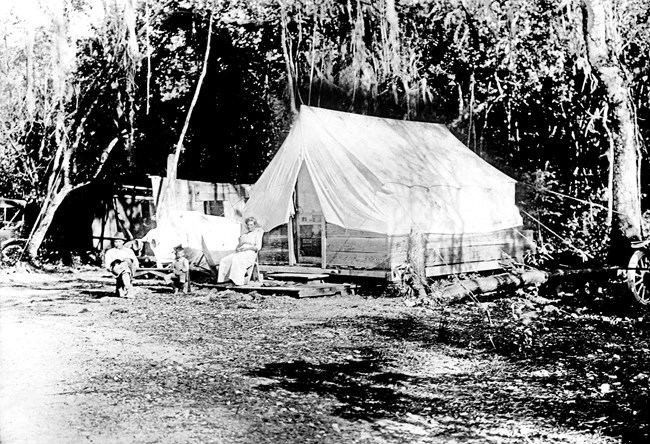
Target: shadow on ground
<point x="360" y="383"/>
<point x="98" y="294"/>
<point x="570" y="395"/>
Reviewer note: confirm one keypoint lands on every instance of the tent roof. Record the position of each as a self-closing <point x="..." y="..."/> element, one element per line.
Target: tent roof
<point x="373" y="173"/>
<point x="401" y="151"/>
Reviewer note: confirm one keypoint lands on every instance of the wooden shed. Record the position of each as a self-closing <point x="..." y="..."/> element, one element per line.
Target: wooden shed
<point x="135" y="210"/>
<point x="361" y="195"/>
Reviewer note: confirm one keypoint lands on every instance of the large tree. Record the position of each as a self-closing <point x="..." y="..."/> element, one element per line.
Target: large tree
<point x="75" y="119"/>
<point x="604" y="46"/>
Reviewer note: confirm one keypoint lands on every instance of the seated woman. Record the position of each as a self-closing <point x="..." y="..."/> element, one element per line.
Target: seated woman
<point x="233" y="267"/>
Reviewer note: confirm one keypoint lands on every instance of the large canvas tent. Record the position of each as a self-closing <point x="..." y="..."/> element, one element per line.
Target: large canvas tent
<point x="353" y="191"/>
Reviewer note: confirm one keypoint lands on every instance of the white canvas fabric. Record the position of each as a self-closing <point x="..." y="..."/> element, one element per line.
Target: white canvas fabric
<point x="191" y="229"/>
<point x="385" y="176"/>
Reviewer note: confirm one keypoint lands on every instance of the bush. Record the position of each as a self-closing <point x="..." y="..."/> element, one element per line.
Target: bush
<point x="569" y="232"/>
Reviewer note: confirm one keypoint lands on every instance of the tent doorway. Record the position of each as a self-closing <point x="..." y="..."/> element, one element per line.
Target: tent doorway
<point x="309" y="223"/>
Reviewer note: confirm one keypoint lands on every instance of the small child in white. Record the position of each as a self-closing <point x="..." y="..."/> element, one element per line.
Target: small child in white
<point x="180" y="269"/>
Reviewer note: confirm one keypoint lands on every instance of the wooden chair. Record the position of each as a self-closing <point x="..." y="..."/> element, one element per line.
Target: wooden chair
<point x="252" y="273"/>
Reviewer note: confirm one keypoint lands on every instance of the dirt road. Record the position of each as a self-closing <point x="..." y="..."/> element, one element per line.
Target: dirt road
<point x="78" y="365"/>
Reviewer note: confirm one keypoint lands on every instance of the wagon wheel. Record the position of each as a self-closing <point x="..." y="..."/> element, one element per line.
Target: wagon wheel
<point x="11" y="253"/>
<point x="638" y="276"/>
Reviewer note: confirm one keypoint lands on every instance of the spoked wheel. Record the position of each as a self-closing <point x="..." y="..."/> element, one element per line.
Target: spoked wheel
<point x="11" y="253"/>
<point x="638" y="276"/>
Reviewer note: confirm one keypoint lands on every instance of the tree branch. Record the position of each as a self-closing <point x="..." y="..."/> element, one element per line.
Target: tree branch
<point x="104" y="157"/>
<point x="171" y="175"/>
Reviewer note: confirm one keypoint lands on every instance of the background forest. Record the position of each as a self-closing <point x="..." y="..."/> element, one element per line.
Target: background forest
<point x="98" y="91"/>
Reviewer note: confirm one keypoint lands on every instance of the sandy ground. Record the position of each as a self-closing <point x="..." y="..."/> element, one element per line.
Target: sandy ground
<point x="79" y="365"/>
<point x="50" y="344"/>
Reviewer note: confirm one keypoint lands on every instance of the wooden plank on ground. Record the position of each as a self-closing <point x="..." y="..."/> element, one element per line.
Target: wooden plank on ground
<point x="299" y="277"/>
<point x="297" y="291"/>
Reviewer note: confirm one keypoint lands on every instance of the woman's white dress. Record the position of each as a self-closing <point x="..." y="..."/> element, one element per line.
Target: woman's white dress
<point x="233" y="267"/>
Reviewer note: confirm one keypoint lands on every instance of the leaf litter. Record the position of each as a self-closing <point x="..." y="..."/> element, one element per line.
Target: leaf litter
<point x="371" y="368"/>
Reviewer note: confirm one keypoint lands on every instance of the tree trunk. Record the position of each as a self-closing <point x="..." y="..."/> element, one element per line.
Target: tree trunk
<point x="415" y="257"/>
<point x="472" y="287"/>
<point x="394" y="47"/>
<point x="287" y="58"/>
<point x="58" y="190"/>
<point x="44" y="220"/>
<point x="602" y="40"/>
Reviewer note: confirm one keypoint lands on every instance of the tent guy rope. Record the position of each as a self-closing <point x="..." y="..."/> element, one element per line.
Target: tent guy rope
<point x="566" y="242"/>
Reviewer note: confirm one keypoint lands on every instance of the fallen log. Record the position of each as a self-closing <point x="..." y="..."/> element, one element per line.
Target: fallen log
<point x="466" y="288"/>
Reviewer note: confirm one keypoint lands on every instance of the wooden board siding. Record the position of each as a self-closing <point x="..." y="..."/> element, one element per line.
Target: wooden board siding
<point x="449" y="254"/>
<point x="344" y="248"/>
<point x="382" y="274"/>
<point x="338" y="231"/>
<point x="275" y="247"/>
<point x="466" y="267"/>
<point x="444" y="254"/>
<point x="356" y="248"/>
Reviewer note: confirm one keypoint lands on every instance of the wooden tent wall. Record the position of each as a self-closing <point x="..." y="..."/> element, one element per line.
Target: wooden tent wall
<point x="356" y="248"/>
<point x="462" y="253"/>
<point x="444" y="254"/>
<point x="344" y="248"/>
<point x="275" y="247"/>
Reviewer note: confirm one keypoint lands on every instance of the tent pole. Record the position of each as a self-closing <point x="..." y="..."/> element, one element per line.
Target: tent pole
<point x="323" y="241"/>
<point x="100" y="245"/>
<point x="292" y="257"/>
<point x="296" y="224"/>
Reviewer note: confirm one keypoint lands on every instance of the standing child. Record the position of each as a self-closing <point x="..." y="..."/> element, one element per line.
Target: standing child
<point x="180" y="269"/>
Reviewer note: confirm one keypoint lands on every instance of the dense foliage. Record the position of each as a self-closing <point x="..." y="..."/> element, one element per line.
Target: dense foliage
<point x="510" y="78"/>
